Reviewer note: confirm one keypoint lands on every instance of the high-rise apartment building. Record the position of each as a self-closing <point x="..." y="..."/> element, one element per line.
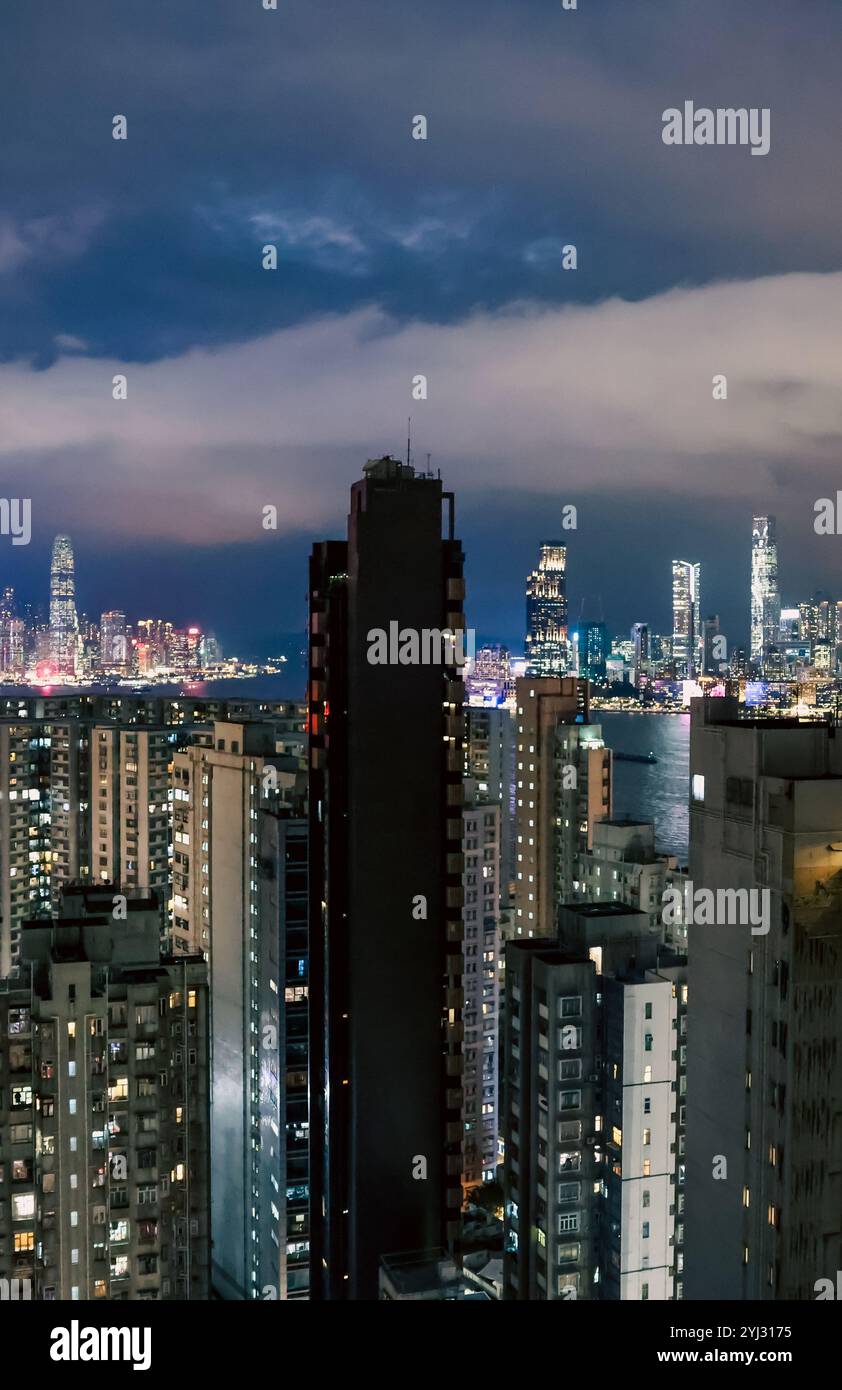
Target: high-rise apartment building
<point x="563" y="774"/>
<point x="64" y="625"/>
<point x="623" y="866"/>
<point x="593" y="1119"/>
<point x="686" y="620"/>
<point x="765" y="1077"/>
<point x="240" y="895"/>
<point x="386" y="868"/>
<point x="765" y="594"/>
<point x="104" y="1115"/>
<point x="131" y="839"/>
<point x="490" y="759"/>
<point x="547" y="652"/>
<point x="481" y="915"/>
<point x="85" y="794"/>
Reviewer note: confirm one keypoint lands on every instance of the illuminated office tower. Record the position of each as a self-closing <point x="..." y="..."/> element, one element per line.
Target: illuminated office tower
<point x="104" y="1147"/>
<point x="593" y="651"/>
<point x="547" y="652"/>
<point x="240" y="895"/>
<point x="210" y="651"/>
<point x="114" y="643"/>
<point x="765" y="595"/>
<point x="819" y="627"/>
<point x="489" y="677"/>
<point x="178" y="653"/>
<point x="154" y="638"/>
<point x="64" y="626"/>
<point x="386" y="887"/>
<point x="7" y="618"/>
<point x="481" y="915"/>
<point x="686" y="620"/>
<point x="764" y="1088"/>
<point x="713" y="651"/>
<point x="642" y="665"/>
<point x="563" y="787"/>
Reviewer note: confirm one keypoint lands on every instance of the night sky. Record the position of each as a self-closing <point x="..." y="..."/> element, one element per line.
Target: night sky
<point x="400" y="257"/>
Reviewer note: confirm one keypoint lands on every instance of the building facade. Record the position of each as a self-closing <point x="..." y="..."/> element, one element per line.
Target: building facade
<point x="765" y="594"/>
<point x="686" y="619"/>
<point x="765" y="1080"/>
<point x="563" y="773"/>
<point x="104" y="1108"/>
<point x="386" y="886"/>
<point x="593" y="1119"/>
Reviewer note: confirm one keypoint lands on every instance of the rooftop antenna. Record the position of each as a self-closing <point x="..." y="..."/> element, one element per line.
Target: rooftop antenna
<point x="428" y="466"/>
<point x="408" y="436"/>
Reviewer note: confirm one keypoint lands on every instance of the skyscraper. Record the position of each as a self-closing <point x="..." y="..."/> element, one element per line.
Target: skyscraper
<point x="386" y="890"/>
<point x="713" y="646"/>
<point x="114" y="642"/>
<point x="593" y="650"/>
<point x="546" y="613"/>
<point x="764" y="1088"/>
<point x="64" y="624"/>
<point x="765" y="595"/>
<point x="563" y="788"/>
<point x="640" y="637"/>
<point x="686" y="618"/>
<point x="481" y="915"/>
<point x="240" y="879"/>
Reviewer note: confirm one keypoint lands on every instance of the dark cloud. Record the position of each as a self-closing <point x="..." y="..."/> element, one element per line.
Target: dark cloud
<point x="399" y="256"/>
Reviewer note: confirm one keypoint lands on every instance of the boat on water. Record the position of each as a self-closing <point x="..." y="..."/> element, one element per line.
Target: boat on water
<point x="636" y="757"/>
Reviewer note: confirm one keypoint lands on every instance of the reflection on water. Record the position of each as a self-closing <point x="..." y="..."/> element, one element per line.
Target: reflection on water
<point x="652" y="791"/>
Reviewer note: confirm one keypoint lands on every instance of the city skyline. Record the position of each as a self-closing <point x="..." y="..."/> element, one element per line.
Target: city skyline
<point x="581" y="608"/>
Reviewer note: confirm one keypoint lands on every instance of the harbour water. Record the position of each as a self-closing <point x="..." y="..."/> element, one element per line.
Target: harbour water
<point x="652" y="791"/>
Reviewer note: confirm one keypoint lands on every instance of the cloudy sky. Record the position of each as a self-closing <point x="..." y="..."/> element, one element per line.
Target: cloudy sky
<point x="399" y="257"/>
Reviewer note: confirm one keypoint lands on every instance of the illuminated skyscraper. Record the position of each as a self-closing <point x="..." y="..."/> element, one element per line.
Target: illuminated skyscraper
<point x="64" y="624"/>
<point x="7" y="617"/>
<point x="546" y="613"/>
<point x="686" y="618"/>
<point x="114" y="642"/>
<point x="640" y="637"/>
<point x="593" y="649"/>
<point x="765" y="595"/>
